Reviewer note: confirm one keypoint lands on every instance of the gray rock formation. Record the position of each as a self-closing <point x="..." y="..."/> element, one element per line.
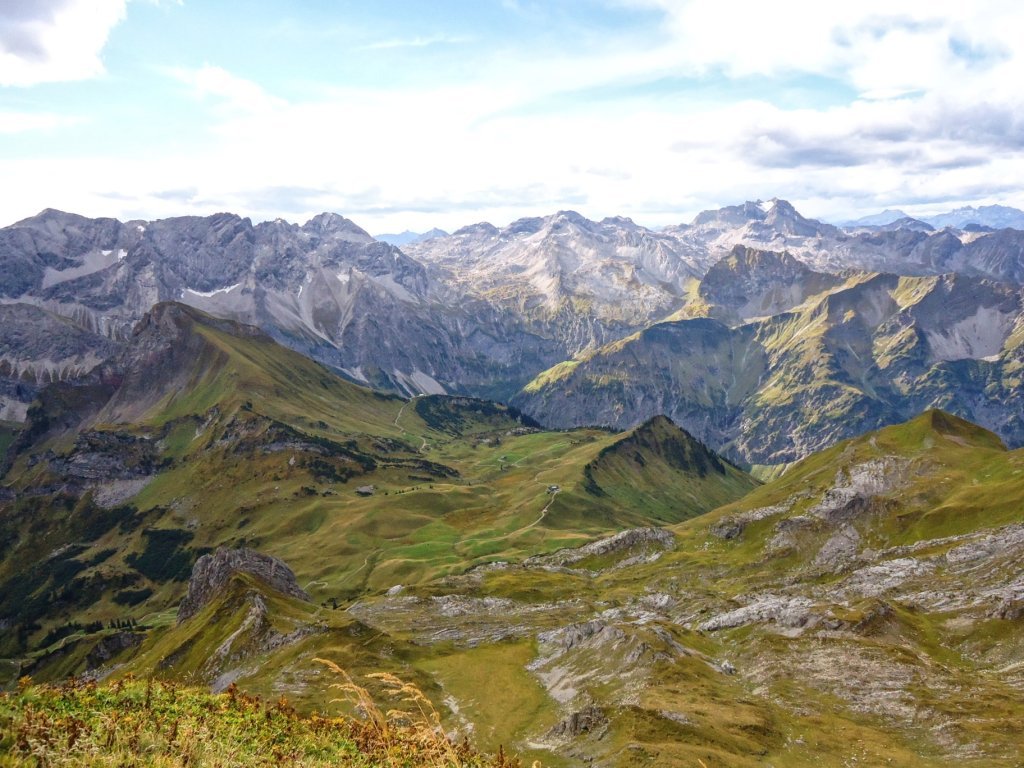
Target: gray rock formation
<point x="590" y="719"/>
<point x="325" y="288"/>
<point x="212" y="572"/>
<point x="38" y="348"/>
<point x="876" y="350"/>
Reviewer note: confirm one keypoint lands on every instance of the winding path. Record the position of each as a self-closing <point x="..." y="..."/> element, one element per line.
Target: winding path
<point x="543" y="514"/>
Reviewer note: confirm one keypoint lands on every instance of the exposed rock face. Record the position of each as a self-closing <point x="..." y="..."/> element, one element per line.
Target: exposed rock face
<point x="590" y="719"/>
<point x="110" y="646"/>
<point x="751" y="283"/>
<point x="876" y="350"/>
<point x="212" y="572"/>
<point x="782" y="610"/>
<point x="38" y="348"/>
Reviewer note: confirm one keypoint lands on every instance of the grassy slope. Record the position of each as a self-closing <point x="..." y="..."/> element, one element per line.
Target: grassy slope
<point x="8" y="432"/>
<point x="961" y="480"/>
<point x="415" y="531"/>
<point x="778" y="710"/>
<point x="256" y="443"/>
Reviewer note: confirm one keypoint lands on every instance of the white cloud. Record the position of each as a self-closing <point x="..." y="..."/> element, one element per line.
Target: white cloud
<point x="939" y="119"/>
<point x="414" y="42"/>
<point x="234" y="94"/>
<point x="877" y="45"/>
<point x="23" y="122"/>
<point x="54" y="40"/>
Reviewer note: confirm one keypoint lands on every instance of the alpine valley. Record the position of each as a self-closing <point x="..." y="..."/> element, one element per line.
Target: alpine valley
<point x="747" y="491"/>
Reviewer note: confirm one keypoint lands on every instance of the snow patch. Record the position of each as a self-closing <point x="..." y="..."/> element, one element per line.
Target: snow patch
<point x="208" y="294"/>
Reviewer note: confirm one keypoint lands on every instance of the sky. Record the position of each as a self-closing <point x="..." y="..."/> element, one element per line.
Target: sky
<point x="410" y="115"/>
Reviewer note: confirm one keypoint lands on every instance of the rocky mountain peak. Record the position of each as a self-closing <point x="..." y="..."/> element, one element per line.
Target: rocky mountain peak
<point x="337" y="226"/>
<point x="624" y="222"/>
<point x="752" y="282"/>
<point x="529" y="225"/>
<point x="731" y="215"/>
<point x="908" y="223"/>
<point x="745" y="260"/>
<point x="480" y="229"/>
<point x="571" y="217"/>
<point x="51" y="216"/>
<point x="888" y="216"/>
<point x="784" y="218"/>
<point x="212" y="573"/>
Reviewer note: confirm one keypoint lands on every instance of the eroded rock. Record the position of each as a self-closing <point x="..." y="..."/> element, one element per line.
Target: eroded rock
<point x="212" y="572"/>
<point x="777" y="609"/>
<point x="647" y="543"/>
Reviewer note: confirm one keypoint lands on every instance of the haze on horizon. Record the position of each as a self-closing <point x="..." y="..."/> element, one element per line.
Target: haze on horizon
<point x="407" y="115"/>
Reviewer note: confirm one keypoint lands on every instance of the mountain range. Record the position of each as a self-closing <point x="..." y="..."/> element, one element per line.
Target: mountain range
<point x="990" y="216"/>
<point x="407" y="237"/>
<point x="776" y="360"/>
<point x="506" y="313"/>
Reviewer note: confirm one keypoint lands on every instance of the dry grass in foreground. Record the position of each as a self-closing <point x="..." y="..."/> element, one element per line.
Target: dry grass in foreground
<point x="166" y="725"/>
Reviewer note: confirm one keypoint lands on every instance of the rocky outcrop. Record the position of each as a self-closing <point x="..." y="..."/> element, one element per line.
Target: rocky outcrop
<point x="111" y="646"/>
<point x="590" y="719"/>
<point x="840" y="550"/>
<point x="777" y="609"/>
<point x="633" y="543"/>
<point x="212" y="573"/>
<point x="733" y="526"/>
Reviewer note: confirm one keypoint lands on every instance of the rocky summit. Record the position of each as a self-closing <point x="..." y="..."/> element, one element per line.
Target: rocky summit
<point x="211" y="573"/>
